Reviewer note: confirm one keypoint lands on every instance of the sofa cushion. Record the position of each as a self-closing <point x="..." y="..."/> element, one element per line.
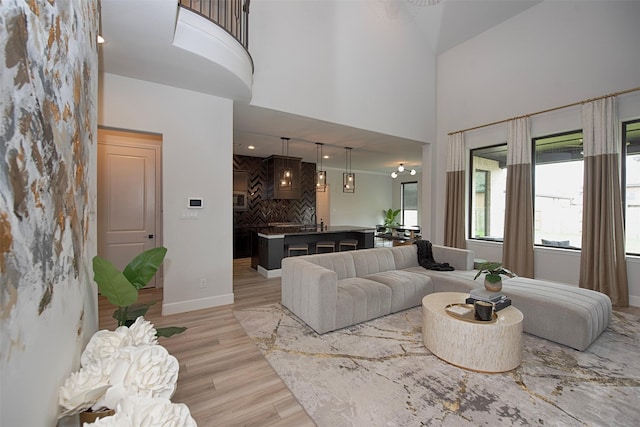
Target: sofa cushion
<point x="460" y="259"/>
<point x="407" y="289"/>
<point x="359" y="300"/>
<point x="309" y="290"/>
<point x="373" y="261"/>
<point x="406" y="256"/>
<point x="450" y="281"/>
<point x="558" y="312"/>
<point x="340" y="262"/>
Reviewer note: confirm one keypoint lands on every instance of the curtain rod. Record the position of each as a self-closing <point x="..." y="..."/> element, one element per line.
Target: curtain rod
<point x="547" y="110"/>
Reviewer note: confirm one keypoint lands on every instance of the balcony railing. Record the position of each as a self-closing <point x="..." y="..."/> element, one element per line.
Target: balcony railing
<point x="230" y="15"/>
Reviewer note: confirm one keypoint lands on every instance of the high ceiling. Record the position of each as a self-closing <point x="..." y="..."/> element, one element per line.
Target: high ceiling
<point x="139" y="35"/>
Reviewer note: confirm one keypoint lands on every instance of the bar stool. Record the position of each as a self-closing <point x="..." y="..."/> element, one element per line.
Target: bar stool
<point x="349" y="243"/>
<point x="328" y="244"/>
<point x="299" y="247"/>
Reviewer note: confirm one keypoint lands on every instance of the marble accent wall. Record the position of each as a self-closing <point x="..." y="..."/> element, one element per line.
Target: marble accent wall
<point x="48" y="128"/>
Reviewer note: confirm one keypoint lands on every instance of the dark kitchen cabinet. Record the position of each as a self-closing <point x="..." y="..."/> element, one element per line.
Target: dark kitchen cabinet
<point x="242" y="243"/>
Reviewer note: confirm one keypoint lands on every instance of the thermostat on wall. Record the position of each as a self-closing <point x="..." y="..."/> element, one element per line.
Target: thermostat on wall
<point x="195" y="203"/>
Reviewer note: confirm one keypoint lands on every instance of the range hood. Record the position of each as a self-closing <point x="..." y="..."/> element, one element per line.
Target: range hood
<point x="274" y="164"/>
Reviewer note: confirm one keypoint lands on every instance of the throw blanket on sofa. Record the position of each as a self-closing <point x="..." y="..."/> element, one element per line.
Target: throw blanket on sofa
<point x="425" y="257"/>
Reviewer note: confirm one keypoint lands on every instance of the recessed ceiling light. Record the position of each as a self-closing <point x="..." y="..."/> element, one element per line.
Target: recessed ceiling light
<point x="251" y="147"/>
<point x="100" y="39"/>
<point x="326" y="156"/>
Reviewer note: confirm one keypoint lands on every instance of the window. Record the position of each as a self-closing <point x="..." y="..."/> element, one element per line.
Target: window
<point x="487" y="198"/>
<point x="558" y="175"/>
<point x="558" y="179"/>
<point x="631" y="184"/>
<point x="409" y="203"/>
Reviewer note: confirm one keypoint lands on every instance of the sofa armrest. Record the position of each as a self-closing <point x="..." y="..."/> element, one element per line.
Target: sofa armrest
<point x="460" y="259"/>
<point x="310" y="292"/>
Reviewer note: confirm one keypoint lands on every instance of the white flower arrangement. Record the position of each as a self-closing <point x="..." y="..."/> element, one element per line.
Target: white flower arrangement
<point x="147" y="370"/>
<point x="138" y="411"/>
<point x="105" y="343"/>
<point x="121" y="365"/>
<point x="83" y="389"/>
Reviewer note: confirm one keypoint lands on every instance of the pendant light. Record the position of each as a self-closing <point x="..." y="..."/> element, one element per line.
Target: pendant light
<point x="321" y="175"/>
<point x="284" y="181"/>
<point x="348" y="177"/>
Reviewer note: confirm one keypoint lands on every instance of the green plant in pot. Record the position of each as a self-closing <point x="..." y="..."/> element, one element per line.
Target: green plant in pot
<point x="493" y="275"/>
<point x="390" y="216"/>
<point x="121" y="287"/>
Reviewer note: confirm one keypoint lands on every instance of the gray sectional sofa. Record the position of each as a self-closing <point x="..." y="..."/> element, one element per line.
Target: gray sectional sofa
<point x="335" y="290"/>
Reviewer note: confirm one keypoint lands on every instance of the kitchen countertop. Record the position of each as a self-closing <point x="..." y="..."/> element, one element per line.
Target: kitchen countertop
<point x="271" y="232"/>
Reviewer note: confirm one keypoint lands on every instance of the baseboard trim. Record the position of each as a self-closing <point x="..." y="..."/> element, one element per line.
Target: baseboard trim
<point x="196" y="304"/>
<point x="269" y="274"/>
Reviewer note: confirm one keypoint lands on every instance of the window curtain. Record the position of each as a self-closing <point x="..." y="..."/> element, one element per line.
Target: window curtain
<point x="517" y="251"/>
<point x="454" y="230"/>
<point x="602" y="263"/>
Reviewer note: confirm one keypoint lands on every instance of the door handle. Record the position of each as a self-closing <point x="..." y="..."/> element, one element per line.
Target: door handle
<point x="150" y="236"/>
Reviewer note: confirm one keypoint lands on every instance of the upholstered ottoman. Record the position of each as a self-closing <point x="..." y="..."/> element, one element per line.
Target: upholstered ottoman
<point x="565" y="314"/>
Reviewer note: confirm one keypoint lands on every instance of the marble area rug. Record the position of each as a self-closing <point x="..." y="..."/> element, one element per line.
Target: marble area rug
<point x="379" y="374"/>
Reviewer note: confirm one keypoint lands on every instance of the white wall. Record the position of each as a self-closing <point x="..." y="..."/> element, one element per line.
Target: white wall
<point x="363" y="207"/>
<point x="553" y="54"/>
<point x="358" y="63"/>
<point x="197" y="161"/>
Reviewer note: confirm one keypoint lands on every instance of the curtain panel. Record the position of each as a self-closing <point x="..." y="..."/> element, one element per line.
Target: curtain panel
<point x="517" y="251"/>
<point x="603" y="264"/>
<point x="454" y="229"/>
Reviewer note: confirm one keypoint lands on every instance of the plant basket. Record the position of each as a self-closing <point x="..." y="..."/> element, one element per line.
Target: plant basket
<point x="92" y="416"/>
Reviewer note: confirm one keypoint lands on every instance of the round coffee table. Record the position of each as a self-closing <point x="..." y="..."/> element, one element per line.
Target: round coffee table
<point x="479" y="346"/>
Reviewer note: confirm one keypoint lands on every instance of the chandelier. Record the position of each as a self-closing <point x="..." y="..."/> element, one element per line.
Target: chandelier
<point x="400" y="170"/>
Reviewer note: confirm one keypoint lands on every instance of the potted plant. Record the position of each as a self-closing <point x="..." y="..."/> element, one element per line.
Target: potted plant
<point x="390" y="218"/>
<point x="121" y="288"/>
<point x="493" y="272"/>
<point x="128" y="361"/>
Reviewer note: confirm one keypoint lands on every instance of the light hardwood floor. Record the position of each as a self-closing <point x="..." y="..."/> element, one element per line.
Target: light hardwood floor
<point x="224" y="379"/>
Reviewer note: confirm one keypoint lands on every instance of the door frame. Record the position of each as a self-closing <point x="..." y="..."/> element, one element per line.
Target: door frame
<point x="147" y="140"/>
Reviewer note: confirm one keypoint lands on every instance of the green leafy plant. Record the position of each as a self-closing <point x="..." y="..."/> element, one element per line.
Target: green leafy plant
<point x="390" y="217"/>
<point x="121" y="288"/>
<point x="492" y="271"/>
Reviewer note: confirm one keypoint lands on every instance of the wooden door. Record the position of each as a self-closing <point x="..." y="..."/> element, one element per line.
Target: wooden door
<point x="128" y="196"/>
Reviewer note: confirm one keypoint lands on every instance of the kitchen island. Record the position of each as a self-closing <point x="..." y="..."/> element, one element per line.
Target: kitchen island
<point x="274" y="241"/>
